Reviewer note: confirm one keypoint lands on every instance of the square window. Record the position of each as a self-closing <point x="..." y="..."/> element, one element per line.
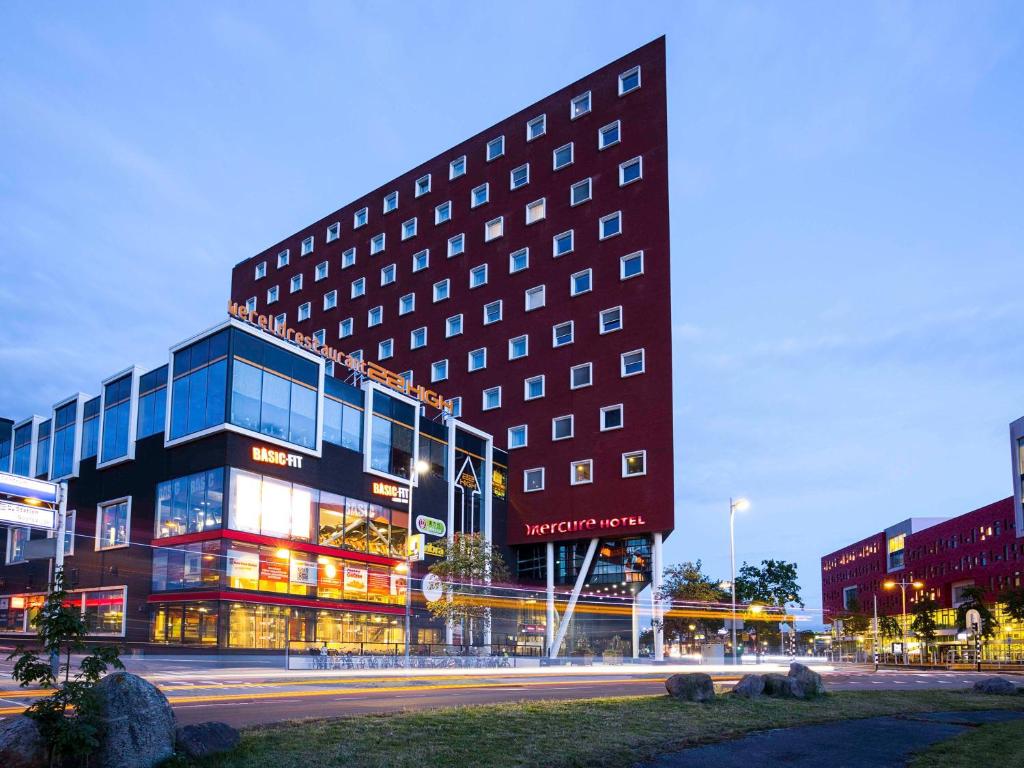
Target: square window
<point x="345" y="328"/>
<point x="374" y="317"/>
<point x="422" y="185"/>
<point x="418" y="338"/>
<point x="360" y="218"/>
<point x="457" y="167"/>
<point x="609" y="135"/>
<point x="456" y="403"/>
<point x="518" y="347"/>
<point x="282" y="259"/>
<point x="280" y="321"/>
<point x="330" y="300"/>
<point x="562" y="334"/>
<point x="439" y="371"/>
<point x="609" y="226"/>
<point x="611" y="417"/>
<point x="272" y="294"/>
<point x="388" y="274"/>
<point x="320" y="272"/>
<point x="536" y="127"/>
<point x="492" y="312"/>
<point x="579" y="106"/>
<point x="517" y="437"/>
<point x="629" y="81"/>
<point x="581" y="376"/>
<point x="630" y="171"/>
<point x="442" y="290"/>
<point x="478" y="276"/>
<point x="391" y="202"/>
<point x="495" y="148"/>
<point x="634" y="463"/>
<point x="492" y="398"/>
<point x="385" y="349"/>
<point x="348" y="258"/>
<point x="480" y="195"/>
<point x="453" y="326"/>
<point x="250" y="304"/>
<point x="580" y="283"/>
<point x="456" y="245"/>
<point x="319" y="336"/>
<point x="518" y="260"/>
<point x="519" y="177"/>
<point x="631" y="265"/>
<point x="535" y="298"/>
<point x="307" y="246"/>
<point x="632" y="363"/>
<point x="477" y="359"/>
<point x="443" y="212"/>
<point x="581" y="472"/>
<point x="579" y="192"/>
<point x="536" y="211"/>
<point x="113" y="525"/>
<point x="421" y="260"/>
<point x="358" y="288"/>
<point x="377" y="244"/>
<point x="407" y="304"/>
<point x="562" y="427"/>
<point x="409" y="228"/>
<point x="562" y="244"/>
<point x="356" y="354"/>
<point x="610" y="320"/>
<point x="333" y="232"/>
<point x="494" y="229"/>
<point x="407" y="377"/>
<point x="533" y="388"/>
<point x="533" y="480"/>
<point x="261" y="270"/>
<point x="304" y="310"/>
<point x="562" y="157"/>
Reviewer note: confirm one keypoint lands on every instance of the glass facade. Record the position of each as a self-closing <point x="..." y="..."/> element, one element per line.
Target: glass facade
<point x="343" y="415"/>
<point x="102" y="610"/>
<point x="112" y="525"/>
<point x="117" y="397"/>
<point x="391" y="435"/>
<point x="64" y="439"/>
<point x="190" y="504"/>
<point x="152" y="402"/>
<point x="6" y="446"/>
<point x="43" y="449"/>
<point x="90" y="428"/>
<point x="199" y="385"/>
<point x="23" y="450"/>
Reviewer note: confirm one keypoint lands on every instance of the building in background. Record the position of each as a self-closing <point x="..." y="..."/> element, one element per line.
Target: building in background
<point x="526" y="271"/>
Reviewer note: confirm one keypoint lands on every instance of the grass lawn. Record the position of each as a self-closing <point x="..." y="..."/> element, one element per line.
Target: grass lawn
<point x="998" y="744"/>
<point x="595" y="732"/>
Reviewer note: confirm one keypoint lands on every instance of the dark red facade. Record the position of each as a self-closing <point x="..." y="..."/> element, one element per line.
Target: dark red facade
<point x="562" y="510"/>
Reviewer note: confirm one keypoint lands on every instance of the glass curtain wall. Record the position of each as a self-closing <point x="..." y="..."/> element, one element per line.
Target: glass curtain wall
<point x="117" y="397"/>
<point x="199" y="385"/>
<point x="43" y="448"/>
<point x="152" y="402"/>
<point x="23" y="450"/>
<point x="190" y="504"/>
<point x="90" y="427"/>
<point x="392" y="429"/>
<point x="64" y="439"/>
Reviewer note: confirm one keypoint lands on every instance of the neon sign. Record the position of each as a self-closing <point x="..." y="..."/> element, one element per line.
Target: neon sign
<point x="271" y="456"/>
<point x="589" y="524"/>
<point x="397" y="493"/>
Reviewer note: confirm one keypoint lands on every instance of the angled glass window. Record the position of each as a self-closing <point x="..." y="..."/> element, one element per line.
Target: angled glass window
<point x="199" y="385"/>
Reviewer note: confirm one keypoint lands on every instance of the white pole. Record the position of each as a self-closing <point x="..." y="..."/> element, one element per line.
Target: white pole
<point x="58" y="556"/>
<point x="874" y="600"/>
<point x="636" y="626"/>
<point x="903" y="590"/>
<point x="408" y="565"/>
<point x="549" y="625"/>
<point x="732" y="560"/>
<point x="657" y="624"/>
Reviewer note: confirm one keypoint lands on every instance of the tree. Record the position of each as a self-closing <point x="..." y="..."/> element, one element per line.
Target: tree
<point x="888" y="626"/>
<point x="924" y="624"/>
<point x="466" y="571"/>
<point x="854" y="619"/>
<point x="1012" y="599"/>
<point x="974" y="597"/>
<point x="69" y="718"/>
<point x="687" y="583"/>
<point x="773" y="583"/>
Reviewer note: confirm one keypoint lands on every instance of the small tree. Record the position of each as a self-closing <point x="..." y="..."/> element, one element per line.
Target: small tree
<point x="69" y="717"/>
<point x="888" y="627"/>
<point x="974" y="597"/>
<point x="773" y="583"/>
<point x="687" y="583"/>
<point x="924" y="624"/>
<point x="1013" y="603"/>
<point x="466" y="571"/>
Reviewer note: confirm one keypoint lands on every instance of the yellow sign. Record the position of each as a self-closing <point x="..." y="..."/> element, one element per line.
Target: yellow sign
<point x="416" y="544"/>
<point x="271" y="456"/>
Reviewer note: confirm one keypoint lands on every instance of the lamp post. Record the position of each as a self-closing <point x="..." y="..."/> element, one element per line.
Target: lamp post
<point x="903" y="624"/>
<point x="734" y="506"/>
<point x="416" y="468"/>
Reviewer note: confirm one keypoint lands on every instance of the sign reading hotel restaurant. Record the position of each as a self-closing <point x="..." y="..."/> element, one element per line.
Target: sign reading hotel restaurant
<point x="28" y="502"/>
<point x="372" y="371"/>
<point x="265" y="455"/>
<point x="431" y="525"/>
<point x="396" y="493"/>
<point x="588" y="524"/>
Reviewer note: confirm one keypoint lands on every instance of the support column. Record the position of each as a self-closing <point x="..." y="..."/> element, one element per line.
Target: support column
<point x="563" y="624"/>
<point x="636" y="626"/>
<point x="549" y="624"/>
<point x="656" y="619"/>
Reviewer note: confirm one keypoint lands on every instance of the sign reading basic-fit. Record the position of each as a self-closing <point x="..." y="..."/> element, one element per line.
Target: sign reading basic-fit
<point x="266" y="455"/>
<point x="586" y="525"/>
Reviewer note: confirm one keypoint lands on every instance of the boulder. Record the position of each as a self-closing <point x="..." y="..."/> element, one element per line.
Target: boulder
<point x="198" y="741"/>
<point x="749" y="686"/>
<point x="782" y="687"/>
<point x="138" y="723"/>
<point x="807" y="680"/>
<point x="21" y="743"/>
<point x="693" y="686"/>
<point x="997" y="685"/>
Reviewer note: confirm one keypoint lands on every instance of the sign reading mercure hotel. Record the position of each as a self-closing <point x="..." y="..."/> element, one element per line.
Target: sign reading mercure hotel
<point x="370" y="370"/>
<point x="585" y="525"/>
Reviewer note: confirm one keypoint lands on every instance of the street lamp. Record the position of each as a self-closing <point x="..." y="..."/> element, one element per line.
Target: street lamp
<point x="903" y="624"/>
<point x="416" y="468"/>
<point x="737" y="505"/>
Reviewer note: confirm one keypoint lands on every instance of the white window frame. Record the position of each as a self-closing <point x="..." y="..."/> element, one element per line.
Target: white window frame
<point x="526" y="481"/>
<point x="472" y="276"/>
<point x="406" y="304"/>
<point x="388" y="274"/>
<point x="638" y="160"/>
<point x="251" y="304"/>
<point x="542" y="203"/>
<point x="333" y="232"/>
<point x="447" y="283"/>
<point x="572" y="427"/>
<point x="261" y="270"/>
<point x="380" y="238"/>
<point x="512" y="260"/>
<point x="343" y="331"/>
<point x="491" y="155"/>
<point x="608" y="217"/>
<point x="483" y="399"/>
<point x="573" y="202"/>
<point x="448" y="326"/>
<point x="348" y="258"/>
<point x="388" y="206"/>
<point x="572" y="156"/>
<point x="469" y="360"/>
<point x="417" y="191"/>
<point x="554" y="334"/>
<point x="390" y="349"/>
<point x="589" y="273"/>
<point x="453" y="168"/>
<point x="554" y="243"/>
<point x="446" y="205"/>
<point x="407" y="233"/>
<point x="128" y="525"/>
<point x="358" y="288"/>
<point x="532" y="292"/>
<point x="608" y="409"/>
<point x="623" y="260"/>
<point x="461" y="238"/>
<point x="434" y="377"/>
<point x="412" y="337"/>
<point x="526" y="387"/>
<point x="526" y="436"/>
<point x="601" y="143"/>
<point x="573" y="114"/>
<point x="320" y="271"/>
<point x="473" y="202"/>
<point x="501" y="311"/>
<point x="307" y="246"/>
<point x="572" y="471"/>
<point x="541" y="120"/>
<point x="590" y="375"/>
<point x="643" y="363"/>
<point x="600" y="320"/>
<point x="283" y="257"/>
<point x="498" y="221"/>
<point x="330" y="299"/>
<point x="320" y="336"/>
<point x="273" y="294"/>
<point x="374" y="316"/>
<point x="304" y="312"/>
<point x="512" y="176"/>
<point x="626" y="455"/>
<point x="280" y="320"/>
<point x="622" y="76"/>
<point x="525" y="337"/>
<point x="425" y="253"/>
<point x="360" y="218"/>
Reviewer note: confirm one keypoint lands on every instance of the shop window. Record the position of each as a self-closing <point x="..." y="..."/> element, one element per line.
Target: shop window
<point x="199" y="386"/>
<point x="190" y="504"/>
<point x="269" y="506"/>
<point x="113" y="521"/>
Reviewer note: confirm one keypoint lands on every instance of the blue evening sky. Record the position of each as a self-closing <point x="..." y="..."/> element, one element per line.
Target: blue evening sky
<point x="846" y="193"/>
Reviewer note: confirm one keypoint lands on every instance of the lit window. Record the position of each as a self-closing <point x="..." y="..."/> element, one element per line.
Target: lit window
<point x="421" y="260"/>
<point x="439" y="371"/>
<point x="518" y="260"/>
<point x="407" y="304"/>
<point x="272" y="294"/>
<point x="374" y="316"/>
<point x="495" y="148"/>
<point x="610" y="320"/>
<point x="518" y="347"/>
<point x="634" y="463"/>
<point x="536" y="211"/>
<point x="345" y="328"/>
<point x="480" y="195"/>
<point x="536" y="127"/>
<point x="517" y="436"/>
<point x="611" y="417"/>
<point x="562" y="244"/>
<point x="562" y="427"/>
<point x="478" y="276"/>
<point x="492" y="398"/>
<point x="562" y="334"/>
<point x="609" y="226"/>
<point x="282" y="259"/>
<point x="453" y="326"/>
<point x="250" y="304"/>
<point x="457" y="167"/>
<point x="632" y="363"/>
<point x="388" y="274"/>
<point x="409" y="228"/>
<point x="320" y="336"/>
<point x="456" y="245"/>
<point x="348" y="258"/>
<point x="535" y="298"/>
<point x="443" y="212"/>
<point x="330" y="300"/>
<point x="631" y="265"/>
<point x="533" y="388"/>
<point x="333" y="232"/>
<point x="385" y="349"/>
<point x="377" y="244"/>
<point x="261" y="270"/>
<point x="442" y="290"/>
<point x="492" y="312"/>
<point x="562" y="157"/>
<point x="580" y="105"/>
<point x="581" y="376"/>
<point x="580" y="283"/>
<point x="307" y="246"/>
<point x="609" y="135"/>
<point x="533" y="480"/>
<point x="304" y="310"/>
<point x="391" y="202"/>
<point x="358" y="287"/>
<point x="113" y="524"/>
<point x="629" y="81"/>
<point x="581" y="472"/>
<point x="280" y="320"/>
<point x="494" y="229"/>
<point x="422" y="185"/>
<point x="360" y="218"/>
<point x="519" y="177"/>
<point x="418" y="338"/>
<point x="630" y="171"/>
<point x="579" y="192"/>
<point x="478" y="359"/>
<point x="321" y="271"/>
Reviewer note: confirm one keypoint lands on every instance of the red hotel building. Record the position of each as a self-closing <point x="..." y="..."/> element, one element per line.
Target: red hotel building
<point x="525" y="275"/>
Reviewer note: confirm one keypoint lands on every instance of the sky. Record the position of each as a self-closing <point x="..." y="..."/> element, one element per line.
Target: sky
<point x="847" y="188"/>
